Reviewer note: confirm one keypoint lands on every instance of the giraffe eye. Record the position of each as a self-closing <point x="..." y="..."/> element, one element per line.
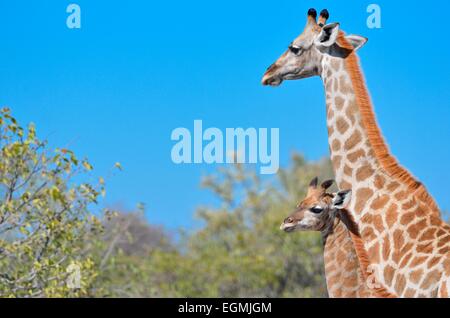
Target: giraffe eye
<point x="316" y="209"/>
<point x="295" y="50"/>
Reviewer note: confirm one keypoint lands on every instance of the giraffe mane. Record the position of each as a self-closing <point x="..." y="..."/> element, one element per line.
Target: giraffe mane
<point x="361" y="253"/>
<point x="381" y="151"/>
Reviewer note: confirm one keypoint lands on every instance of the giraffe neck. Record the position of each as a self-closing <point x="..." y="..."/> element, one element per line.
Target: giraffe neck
<point x="356" y="144"/>
<point x="342" y="268"/>
<point x="398" y="220"/>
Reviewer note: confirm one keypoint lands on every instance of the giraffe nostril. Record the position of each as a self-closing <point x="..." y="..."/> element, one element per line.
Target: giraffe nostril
<point x="289" y="220"/>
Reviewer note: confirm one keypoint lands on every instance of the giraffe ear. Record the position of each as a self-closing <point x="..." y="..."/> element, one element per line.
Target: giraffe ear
<point x="342" y="199"/>
<point x="314" y="182"/>
<point x="327" y="184"/>
<point x="328" y="36"/>
<point x="356" y="41"/>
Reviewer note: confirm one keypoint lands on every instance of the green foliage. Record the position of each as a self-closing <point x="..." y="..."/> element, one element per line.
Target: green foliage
<point x="52" y="245"/>
<point x="44" y="216"/>
<point x="123" y="254"/>
<point x="238" y="251"/>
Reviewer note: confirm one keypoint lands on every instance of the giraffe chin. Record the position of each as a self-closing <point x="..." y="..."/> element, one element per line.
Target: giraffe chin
<point x="285" y="228"/>
<point x="290" y="228"/>
<point x="272" y="81"/>
<point x="299" y="227"/>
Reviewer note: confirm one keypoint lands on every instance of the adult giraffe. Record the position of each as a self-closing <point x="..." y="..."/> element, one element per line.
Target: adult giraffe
<point x="406" y="242"/>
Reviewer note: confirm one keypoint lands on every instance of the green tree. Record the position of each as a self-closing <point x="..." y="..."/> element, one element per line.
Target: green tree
<point x="45" y="217"/>
<point x="123" y="251"/>
<point x="238" y="249"/>
<point x="52" y="244"/>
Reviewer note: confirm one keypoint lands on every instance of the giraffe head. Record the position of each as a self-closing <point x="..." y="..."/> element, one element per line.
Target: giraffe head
<point x="304" y="56"/>
<point x="317" y="211"/>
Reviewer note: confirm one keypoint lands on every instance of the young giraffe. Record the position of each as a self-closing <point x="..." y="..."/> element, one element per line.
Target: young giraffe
<point x="403" y="235"/>
<point x="323" y="212"/>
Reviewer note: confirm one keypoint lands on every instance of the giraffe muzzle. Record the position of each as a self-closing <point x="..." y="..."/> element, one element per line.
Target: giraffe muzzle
<point x="287" y="227"/>
<point x="269" y="80"/>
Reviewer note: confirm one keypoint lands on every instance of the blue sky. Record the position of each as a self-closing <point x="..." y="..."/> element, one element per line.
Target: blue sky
<point x="116" y="89"/>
